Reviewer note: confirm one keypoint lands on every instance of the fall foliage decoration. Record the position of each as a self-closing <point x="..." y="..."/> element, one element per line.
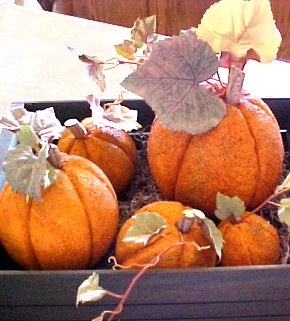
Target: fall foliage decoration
<point x="242" y="156"/>
<point x="248" y="238"/>
<point x="65" y="219"/>
<point x="158" y="226"/>
<point x="98" y="139"/>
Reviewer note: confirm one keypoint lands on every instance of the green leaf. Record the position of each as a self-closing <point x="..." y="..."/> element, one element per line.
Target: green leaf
<point x="216" y="236"/>
<point x="227" y="206"/>
<point x="27" y="172"/>
<point x="169" y="81"/>
<point x="285" y="183"/>
<point x="126" y="49"/>
<point x="26" y="135"/>
<point x="89" y="290"/>
<point x="284" y="212"/>
<point x="145" y="225"/>
<point x="143" y="30"/>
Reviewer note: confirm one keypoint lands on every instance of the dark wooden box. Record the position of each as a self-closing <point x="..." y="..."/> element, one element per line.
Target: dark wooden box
<point x="255" y="293"/>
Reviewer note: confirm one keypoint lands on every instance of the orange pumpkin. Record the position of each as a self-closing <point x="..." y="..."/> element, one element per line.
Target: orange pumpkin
<point x="250" y="241"/>
<point x="72" y="226"/>
<point x="242" y="156"/>
<point x="183" y="256"/>
<point x="111" y="149"/>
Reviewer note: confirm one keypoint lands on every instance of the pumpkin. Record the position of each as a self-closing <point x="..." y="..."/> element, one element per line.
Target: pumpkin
<point x="72" y="226"/>
<point x="251" y="240"/>
<point x="113" y="150"/>
<point x="242" y="156"/>
<point x="187" y="255"/>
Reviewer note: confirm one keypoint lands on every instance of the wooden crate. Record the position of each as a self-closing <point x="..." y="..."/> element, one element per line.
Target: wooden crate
<point x="254" y="293"/>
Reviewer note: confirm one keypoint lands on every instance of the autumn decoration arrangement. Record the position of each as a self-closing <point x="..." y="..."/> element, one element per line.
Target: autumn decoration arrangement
<point x="214" y="151"/>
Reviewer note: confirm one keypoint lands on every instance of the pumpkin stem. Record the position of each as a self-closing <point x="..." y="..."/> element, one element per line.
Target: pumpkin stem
<point x="234" y="219"/>
<point x="235" y="85"/>
<point x="76" y="128"/>
<point x="54" y="156"/>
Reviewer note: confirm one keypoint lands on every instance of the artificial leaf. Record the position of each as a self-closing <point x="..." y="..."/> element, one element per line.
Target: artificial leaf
<point x="284" y="211"/>
<point x="93" y="65"/>
<point x="27" y="136"/>
<point x="227" y="206"/>
<point x="126" y="49"/>
<point x="285" y="183"/>
<point x="114" y="115"/>
<point x="169" y="82"/>
<point x="89" y="290"/>
<point x="216" y="236"/>
<point x="236" y="26"/>
<point x="143" y="30"/>
<point x="44" y="122"/>
<point x="145" y="225"/>
<point x="25" y="171"/>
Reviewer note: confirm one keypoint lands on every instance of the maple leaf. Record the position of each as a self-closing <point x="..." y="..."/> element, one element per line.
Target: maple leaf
<point x="169" y="81"/>
<point x="237" y="26"/>
<point x="143" y="31"/>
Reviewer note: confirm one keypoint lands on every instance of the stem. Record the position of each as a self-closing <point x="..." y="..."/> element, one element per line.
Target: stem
<point x="144" y="268"/>
<point x="271" y="197"/>
<point x="54" y="156"/>
<point x="76" y="128"/>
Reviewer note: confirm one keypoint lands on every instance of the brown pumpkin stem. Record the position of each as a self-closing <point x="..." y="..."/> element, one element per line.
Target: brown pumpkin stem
<point x="54" y="156"/>
<point x="233" y="219"/>
<point x="76" y="128"/>
<point x="235" y="85"/>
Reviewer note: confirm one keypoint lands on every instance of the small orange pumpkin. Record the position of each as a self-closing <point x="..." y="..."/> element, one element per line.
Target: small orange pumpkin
<point x="111" y="149"/>
<point x="250" y="241"/>
<point x="72" y="226"/>
<point x="242" y="156"/>
<point x="184" y="256"/>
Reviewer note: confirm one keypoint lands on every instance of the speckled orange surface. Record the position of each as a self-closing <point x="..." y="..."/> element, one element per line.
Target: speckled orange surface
<point x="183" y="256"/>
<point x="70" y="228"/>
<point x="242" y="156"/>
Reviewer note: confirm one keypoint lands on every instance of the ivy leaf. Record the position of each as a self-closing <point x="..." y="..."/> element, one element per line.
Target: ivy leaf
<point x="143" y="30"/>
<point x="227" y="206"/>
<point x="93" y="65"/>
<point x="237" y="26"/>
<point x="215" y="235"/>
<point x="145" y="225"/>
<point x="27" y="136"/>
<point x="169" y="82"/>
<point x="27" y="172"/>
<point x="284" y="211"/>
<point x="89" y="290"/>
<point x="126" y="49"/>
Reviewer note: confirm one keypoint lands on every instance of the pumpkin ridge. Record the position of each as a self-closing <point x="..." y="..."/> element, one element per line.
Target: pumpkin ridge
<point x="181" y="160"/>
<point x="256" y="153"/>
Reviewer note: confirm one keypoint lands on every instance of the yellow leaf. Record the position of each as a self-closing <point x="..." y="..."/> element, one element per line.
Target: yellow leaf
<point x="236" y="26"/>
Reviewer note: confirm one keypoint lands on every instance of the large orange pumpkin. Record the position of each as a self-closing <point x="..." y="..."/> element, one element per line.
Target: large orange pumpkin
<point x="72" y="226"/>
<point x="242" y="156"/>
<point x="113" y="150"/>
<point x="187" y="255"/>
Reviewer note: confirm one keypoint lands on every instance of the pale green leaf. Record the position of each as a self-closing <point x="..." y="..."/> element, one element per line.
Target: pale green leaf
<point x="145" y="225"/>
<point x="169" y="81"/>
<point x="89" y="290"/>
<point x="284" y="211"/>
<point x="27" y="172"/>
<point x="237" y="26"/>
<point x="216" y="236"/>
<point x="227" y="206"/>
<point x="143" y="30"/>
<point x="285" y="183"/>
<point x="26" y="135"/>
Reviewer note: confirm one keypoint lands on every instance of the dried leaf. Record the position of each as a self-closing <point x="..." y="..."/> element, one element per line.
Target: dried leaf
<point x="27" y="172"/>
<point x="27" y="136"/>
<point x="237" y="26"/>
<point x="145" y="225"/>
<point x="227" y="206"/>
<point x="169" y="82"/>
<point x="143" y="30"/>
<point x="216" y="236"/>
<point x="89" y="290"/>
<point x="126" y="49"/>
<point x="116" y="115"/>
<point x="284" y="211"/>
